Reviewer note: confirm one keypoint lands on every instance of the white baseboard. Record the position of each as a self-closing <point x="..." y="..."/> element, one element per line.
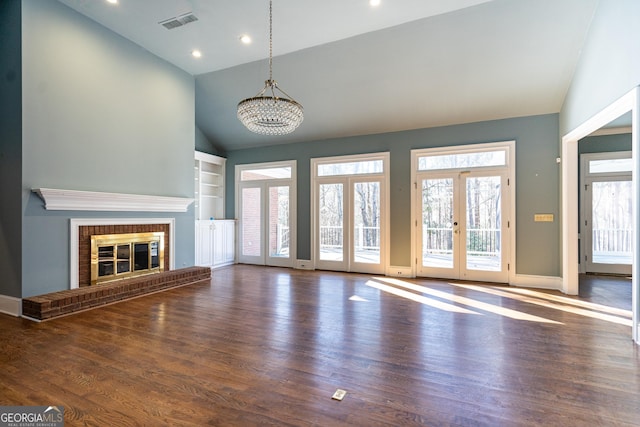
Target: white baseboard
<point x="395" y="271"/>
<point x="10" y="305"/>
<point x="304" y="264"/>
<point x="537" y="282"/>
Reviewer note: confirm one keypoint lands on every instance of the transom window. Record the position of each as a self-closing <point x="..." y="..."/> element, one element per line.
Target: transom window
<point x="358" y="167"/>
<point x="265" y="173"/>
<point x="610" y="166"/>
<point x="463" y="160"/>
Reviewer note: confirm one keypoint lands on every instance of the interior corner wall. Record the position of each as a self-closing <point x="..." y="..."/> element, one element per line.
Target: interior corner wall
<point x="537" y="181"/>
<point x="203" y="144"/>
<point x="609" y="65"/>
<point x="99" y="113"/>
<point x="10" y="149"/>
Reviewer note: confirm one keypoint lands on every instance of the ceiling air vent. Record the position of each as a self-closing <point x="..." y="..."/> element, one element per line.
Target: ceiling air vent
<point x="178" y="21"/>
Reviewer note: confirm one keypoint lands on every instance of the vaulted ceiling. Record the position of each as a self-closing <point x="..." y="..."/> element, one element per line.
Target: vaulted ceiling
<point x="359" y="70"/>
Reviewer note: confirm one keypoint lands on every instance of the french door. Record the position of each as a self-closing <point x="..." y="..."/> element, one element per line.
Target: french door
<point x="348" y="231"/>
<point x="607" y="210"/>
<point x="462" y="234"/>
<point x="266" y="206"/>
<point x="462" y="211"/>
<point x="351" y="213"/>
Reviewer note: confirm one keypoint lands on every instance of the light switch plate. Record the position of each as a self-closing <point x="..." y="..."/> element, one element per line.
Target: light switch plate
<point x="543" y="217"/>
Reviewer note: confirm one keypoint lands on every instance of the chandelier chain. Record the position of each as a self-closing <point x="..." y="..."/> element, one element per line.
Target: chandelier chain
<point x="270" y="115"/>
<point x="270" y="40"/>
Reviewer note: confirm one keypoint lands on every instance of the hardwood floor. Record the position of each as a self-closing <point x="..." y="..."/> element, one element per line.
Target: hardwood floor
<point x="269" y="346"/>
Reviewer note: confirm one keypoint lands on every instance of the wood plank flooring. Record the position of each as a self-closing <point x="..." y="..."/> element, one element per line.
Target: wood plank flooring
<point x="269" y="346"/>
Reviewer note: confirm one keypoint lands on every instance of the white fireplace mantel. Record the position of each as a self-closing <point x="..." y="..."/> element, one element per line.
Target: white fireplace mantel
<point x="75" y="200"/>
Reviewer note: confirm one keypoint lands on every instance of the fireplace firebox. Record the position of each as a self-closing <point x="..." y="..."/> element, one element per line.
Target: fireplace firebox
<point x="119" y="256"/>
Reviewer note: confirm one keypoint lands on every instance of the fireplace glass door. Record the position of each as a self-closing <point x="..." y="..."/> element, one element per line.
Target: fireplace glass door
<point x="117" y="256"/>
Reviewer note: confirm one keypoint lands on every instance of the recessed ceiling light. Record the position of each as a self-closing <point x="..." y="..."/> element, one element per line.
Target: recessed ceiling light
<point x="374" y="3"/>
<point x="245" y="39"/>
<point x="112" y="1"/>
<point x="196" y="53"/>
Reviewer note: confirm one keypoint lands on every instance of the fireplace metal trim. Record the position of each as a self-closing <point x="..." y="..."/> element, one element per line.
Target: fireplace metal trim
<point x="121" y="247"/>
<point x="74" y="229"/>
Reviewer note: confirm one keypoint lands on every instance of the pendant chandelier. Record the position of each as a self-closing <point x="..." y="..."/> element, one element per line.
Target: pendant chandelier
<point x="267" y="113"/>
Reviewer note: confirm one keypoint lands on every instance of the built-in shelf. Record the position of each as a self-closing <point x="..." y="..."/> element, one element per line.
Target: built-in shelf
<point x="209" y="186"/>
<point x="76" y="200"/>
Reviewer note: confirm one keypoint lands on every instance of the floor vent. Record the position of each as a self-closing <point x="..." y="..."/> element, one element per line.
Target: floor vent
<point x="178" y="21"/>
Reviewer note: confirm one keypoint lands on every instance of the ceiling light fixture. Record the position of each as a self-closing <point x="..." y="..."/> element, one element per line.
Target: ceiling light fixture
<point x="245" y="39"/>
<point x="374" y="3"/>
<point x="196" y="53"/>
<point x="112" y="1"/>
<point x="270" y="115"/>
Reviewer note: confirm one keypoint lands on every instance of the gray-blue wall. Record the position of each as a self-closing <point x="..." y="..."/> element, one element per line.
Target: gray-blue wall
<point x="537" y="175"/>
<point x="101" y="114"/>
<point x="10" y="149"/>
<point x="204" y="145"/>
<point x="609" y="65"/>
<point x="605" y="143"/>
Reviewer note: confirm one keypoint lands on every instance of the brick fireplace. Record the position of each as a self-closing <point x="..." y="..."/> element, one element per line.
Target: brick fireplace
<point x="80" y="241"/>
<point x="84" y="243"/>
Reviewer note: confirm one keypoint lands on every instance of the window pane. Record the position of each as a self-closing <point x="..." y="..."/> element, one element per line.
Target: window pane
<point x="610" y="165"/>
<point x="437" y="223"/>
<point x="612" y="222"/>
<point x="268" y="173"/>
<point x="279" y="222"/>
<point x="351" y="168"/>
<point x="463" y="160"/>
<point x="483" y="223"/>
<point x="331" y="222"/>
<point x="251" y="225"/>
<point x="366" y="222"/>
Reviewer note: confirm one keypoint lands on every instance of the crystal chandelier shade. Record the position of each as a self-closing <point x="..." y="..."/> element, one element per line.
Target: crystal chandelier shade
<point x="270" y="115"/>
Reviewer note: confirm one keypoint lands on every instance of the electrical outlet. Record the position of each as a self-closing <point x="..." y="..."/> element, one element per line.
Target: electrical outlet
<point x="399" y="271"/>
<point x="303" y="264"/>
<point x="339" y="394"/>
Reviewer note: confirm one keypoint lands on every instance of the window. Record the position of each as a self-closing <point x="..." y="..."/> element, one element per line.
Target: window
<point x="463" y="160"/>
<point x="361" y="167"/>
<point x="610" y="165"/>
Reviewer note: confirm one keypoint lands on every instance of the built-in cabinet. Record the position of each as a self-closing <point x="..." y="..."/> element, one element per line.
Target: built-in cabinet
<point x="215" y="242"/>
<point x="215" y="236"/>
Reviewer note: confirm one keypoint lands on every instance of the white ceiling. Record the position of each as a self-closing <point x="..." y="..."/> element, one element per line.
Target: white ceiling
<point x="357" y="70"/>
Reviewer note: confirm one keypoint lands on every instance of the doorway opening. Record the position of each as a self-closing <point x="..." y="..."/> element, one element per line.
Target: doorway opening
<point x="627" y="107"/>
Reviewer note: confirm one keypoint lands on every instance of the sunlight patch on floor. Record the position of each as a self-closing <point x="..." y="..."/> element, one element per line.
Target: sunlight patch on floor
<point x="492" y="308"/>
<point x="556" y="302"/>
<point x="418" y="298"/>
